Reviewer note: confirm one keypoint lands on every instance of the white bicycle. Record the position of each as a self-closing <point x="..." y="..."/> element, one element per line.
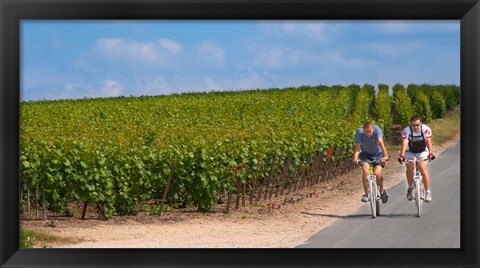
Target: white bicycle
<point x="373" y="193"/>
<point x="418" y="192"/>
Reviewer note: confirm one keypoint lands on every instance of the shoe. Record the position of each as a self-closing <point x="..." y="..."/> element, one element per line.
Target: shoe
<point x="384" y="197"/>
<point x="428" y="197"/>
<point x="409" y="193"/>
<point x="364" y="198"/>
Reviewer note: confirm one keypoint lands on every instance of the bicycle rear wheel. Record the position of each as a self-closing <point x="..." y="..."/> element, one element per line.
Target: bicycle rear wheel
<point x="418" y="198"/>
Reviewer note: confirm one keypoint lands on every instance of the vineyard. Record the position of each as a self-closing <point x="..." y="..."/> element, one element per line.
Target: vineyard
<point x="198" y="149"/>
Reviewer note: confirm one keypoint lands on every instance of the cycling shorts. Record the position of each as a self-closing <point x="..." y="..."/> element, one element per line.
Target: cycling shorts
<point x="372" y="157"/>
<point x="421" y="155"/>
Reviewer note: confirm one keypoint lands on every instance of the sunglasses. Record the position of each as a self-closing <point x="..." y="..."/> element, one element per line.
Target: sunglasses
<point x="416" y="125"/>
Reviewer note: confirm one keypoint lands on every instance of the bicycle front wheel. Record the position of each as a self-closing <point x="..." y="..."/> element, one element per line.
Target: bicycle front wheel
<point x="377" y="204"/>
<point x="377" y="198"/>
<point x="373" y="198"/>
<point x="418" y="198"/>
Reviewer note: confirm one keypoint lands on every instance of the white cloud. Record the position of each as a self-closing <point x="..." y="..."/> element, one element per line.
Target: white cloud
<point x="275" y="57"/>
<point x="40" y="78"/>
<point x="315" y="30"/>
<point x="160" y="85"/>
<point x="170" y="45"/>
<point x="111" y="88"/>
<point x="160" y="51"/>
<point x="151" y="86"/>
<point x="247" y="81"/>
<point x="69" y="87"/>
<point x="252" y="81"/>
<point x="396" y="26"/>
<point x="318" y="31"/>
<point x="337" y="58"/>
<point x="69" y="90"/>
<point x="56" y="41"/>
<point x="408" y="27"/>
<point x="395" y="49"/>
<point x="211" y="53"/>
<point x="118" y="48"/>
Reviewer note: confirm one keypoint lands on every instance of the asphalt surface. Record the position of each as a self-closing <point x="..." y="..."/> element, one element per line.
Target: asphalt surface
<point x="397" y="226"/>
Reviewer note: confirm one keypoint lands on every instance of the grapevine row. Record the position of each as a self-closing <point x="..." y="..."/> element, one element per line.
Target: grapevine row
<point x="194" y="149"/>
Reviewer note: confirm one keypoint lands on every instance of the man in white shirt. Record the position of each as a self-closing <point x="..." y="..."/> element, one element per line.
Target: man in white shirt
<point x="417" y="143"/>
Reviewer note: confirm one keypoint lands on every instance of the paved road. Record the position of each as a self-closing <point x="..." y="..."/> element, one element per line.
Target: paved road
<point x="398" y="226"/>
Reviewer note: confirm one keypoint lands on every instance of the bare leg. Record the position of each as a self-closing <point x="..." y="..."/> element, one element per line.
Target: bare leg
<point x="426" y="177"/>
<point x="378" y="173"/>
<point x="365" y="174"/>
<point x="409" y="173"/>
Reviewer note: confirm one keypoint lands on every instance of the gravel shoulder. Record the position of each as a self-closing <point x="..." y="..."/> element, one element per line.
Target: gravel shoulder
<point x="261" y="226"/>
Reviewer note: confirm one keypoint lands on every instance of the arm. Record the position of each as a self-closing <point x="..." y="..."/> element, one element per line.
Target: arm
<point x="428" y="139"/>
<point x="404" y="146"/>
<point x="429" y="145"/>
<point x="384" y="150"/>
<point x="356" y="152"/>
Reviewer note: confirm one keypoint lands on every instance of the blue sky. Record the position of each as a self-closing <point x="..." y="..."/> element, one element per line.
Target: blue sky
<point x="77" y="59"/>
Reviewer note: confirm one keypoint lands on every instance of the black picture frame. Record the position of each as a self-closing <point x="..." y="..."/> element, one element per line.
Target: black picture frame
<point x="12" y="11"/>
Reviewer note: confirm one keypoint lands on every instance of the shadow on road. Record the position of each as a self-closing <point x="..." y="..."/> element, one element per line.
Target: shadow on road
<point x="333" y="216"/>
<point x="357" y="216"/>
<point x="409" y="215"/>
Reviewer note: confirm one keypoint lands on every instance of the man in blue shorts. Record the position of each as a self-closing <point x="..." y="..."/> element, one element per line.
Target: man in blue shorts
<point x="369" y="139"/>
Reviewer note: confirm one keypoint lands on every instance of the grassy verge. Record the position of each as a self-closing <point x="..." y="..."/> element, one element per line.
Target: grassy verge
<point x="31" y="239"/>
<point x="444" y="129"/>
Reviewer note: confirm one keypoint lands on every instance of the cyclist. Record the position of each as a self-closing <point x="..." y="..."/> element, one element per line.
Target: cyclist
<point x="417" y="143"/>
<point x="370" y="139"/>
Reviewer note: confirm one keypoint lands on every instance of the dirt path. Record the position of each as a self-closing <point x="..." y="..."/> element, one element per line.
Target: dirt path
<point x="284" y="226"/>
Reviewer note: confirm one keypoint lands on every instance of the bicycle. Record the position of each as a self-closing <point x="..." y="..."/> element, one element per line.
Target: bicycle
<point x="418" y="192"/>
<point x="373" y="193"/>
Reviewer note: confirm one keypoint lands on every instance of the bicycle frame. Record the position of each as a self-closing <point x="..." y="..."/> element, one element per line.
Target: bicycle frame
<point x="418" y="188"/>
<point x="373" y="193"/>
